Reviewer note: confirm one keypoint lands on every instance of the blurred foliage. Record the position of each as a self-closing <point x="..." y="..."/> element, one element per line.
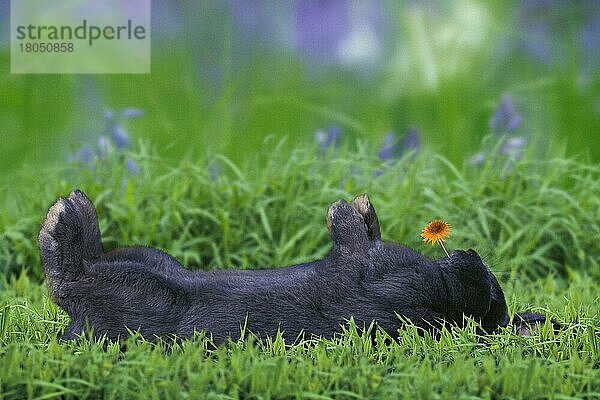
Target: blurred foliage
<point x="225" y="76"/>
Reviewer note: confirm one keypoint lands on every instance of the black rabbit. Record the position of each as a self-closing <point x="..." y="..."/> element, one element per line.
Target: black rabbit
<point x="145" y="289"/>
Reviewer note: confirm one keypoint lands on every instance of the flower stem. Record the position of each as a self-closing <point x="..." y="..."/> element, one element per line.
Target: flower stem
<point x="444" y="248"/>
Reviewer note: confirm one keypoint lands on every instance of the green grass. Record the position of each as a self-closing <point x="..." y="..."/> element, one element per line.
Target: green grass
<point x="536" y="225"/>
<point x="540" y="217"/>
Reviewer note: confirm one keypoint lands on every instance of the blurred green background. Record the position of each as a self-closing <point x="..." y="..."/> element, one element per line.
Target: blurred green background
<point x="227" y="74"/>
<point x="274" y="87"/>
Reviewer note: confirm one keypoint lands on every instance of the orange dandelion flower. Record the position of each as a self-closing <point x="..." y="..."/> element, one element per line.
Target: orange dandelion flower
<point x="437" y="231"/>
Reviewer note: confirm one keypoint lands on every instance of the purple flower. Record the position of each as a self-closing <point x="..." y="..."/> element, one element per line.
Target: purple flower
<point x="549" y="29"/>
<point x="117" y="132"/>
<point x="515" y="147"/>
<point x="504" y="123"/>
<point x="325" y="33"/>
<point x="119" y="136"/>
<point x="104" y="147"/>
<point x="505" y="118"/>
<point x="109" y="116"/>
<point x="82" y="155"/>
<point x="321" y="26"/>
<point x="132" y="113"/>
<point x="132" y="166"/>
<point x="514" y="123"/>
<point x="394" y="147"/>
<point x="329" y="139"/>
<point x="477" y="159"/>
<point x="536" y="19"/>
<point x="341" y="32"/>
<point x="390" y="148"/>
<point x="114" y="141"/>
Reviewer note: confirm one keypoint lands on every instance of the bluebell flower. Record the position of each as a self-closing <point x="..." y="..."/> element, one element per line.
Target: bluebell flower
<point x="412" y="140"/>
<point x="509" y="147"/>
<point x="340" y="32"/>
<point x="104" y="147"/>
<point x="549" y="27"/>
<point x="328" y="140"/>
<point x="321" y="26"/>
<point x="537" y="41"/>
<point x="323" y="33"/>
<point x="114" y="140"/>
<point x="505" y="118"/>
<point x="514" y="123"/>
<point x="132" y="166"/>
<point x="393" y="147"/>
<point x="109" y="116"/>
<point x="390" y="148"/>
<point x="477" y="159"/>
<point x="119" y="136"/>
<point x="132" y="113"/>
<point x="515" y="147"/>
<point x="83" y="155"/>
<point x="117" y="132"/>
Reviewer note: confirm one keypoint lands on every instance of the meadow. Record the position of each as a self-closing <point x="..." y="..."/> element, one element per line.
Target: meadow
<point x="255" y="118"/>
<point x="535" y="224"/>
